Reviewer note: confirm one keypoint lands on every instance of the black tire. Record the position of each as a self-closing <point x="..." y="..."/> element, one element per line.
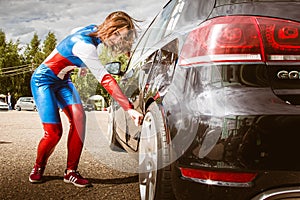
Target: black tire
<point x="156" y="183"/>
<point x="18" y="108"/>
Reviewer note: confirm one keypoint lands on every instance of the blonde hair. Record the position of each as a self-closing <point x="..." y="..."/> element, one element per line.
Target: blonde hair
<point x="114" y="22"/>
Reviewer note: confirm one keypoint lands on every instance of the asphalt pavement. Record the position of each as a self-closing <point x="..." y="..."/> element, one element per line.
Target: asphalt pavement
<point x="20" y="132"/>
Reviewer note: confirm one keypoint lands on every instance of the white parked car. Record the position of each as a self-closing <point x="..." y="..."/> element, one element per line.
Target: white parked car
<point x="25" y="103"/>
<point x="3" y="105"/>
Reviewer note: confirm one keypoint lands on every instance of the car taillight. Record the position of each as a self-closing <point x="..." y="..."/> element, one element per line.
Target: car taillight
<point x="237" y="179"/>
<point x="242" y="39"/>
<point x="281" y="39"/>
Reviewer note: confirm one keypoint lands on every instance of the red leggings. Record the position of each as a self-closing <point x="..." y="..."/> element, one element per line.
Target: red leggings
<point x="53" y="133"/>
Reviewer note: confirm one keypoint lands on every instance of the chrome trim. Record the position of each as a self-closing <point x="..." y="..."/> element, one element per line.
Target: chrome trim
<point x="284" y="57"/>
<point x="218" y="183"/>
<point x="286" y="63"/>
<point x="221" y="57"/>
<point x="275" y="192"/>
<point x="286" y="91"/>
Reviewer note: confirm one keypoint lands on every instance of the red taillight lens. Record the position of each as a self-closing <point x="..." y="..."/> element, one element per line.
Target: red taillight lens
<point x="241" y="39"/>
<point x="286" y="32"/>
<point x="223" y="39"/>
<point x="281" y="39"/>
<point x="218" y="176"/>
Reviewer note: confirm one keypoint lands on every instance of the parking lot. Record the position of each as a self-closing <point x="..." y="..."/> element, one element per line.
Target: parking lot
<point x="109" y="172"/>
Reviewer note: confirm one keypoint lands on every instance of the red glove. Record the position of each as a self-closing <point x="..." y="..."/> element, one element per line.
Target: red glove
<point x="112" y="87"/>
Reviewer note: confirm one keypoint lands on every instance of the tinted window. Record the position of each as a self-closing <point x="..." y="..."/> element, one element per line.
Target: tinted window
<point x="175" y="16"/>
<point x="155" y="32"/>
<point x="194" y="12"/>
<point x="157" y="29"/>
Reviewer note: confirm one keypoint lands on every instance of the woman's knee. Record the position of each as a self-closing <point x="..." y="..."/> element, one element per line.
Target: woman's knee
<point x="75" y="113"/>
<point x="53" y="131"/>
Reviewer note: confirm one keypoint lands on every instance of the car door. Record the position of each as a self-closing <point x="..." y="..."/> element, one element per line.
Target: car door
<point x="163" y="45"/>
<point x="143" y="56"/>
<point x="25" y="104"/>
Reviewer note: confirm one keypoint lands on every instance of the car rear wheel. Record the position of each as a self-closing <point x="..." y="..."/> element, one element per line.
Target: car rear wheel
<point x="154" y="158"/>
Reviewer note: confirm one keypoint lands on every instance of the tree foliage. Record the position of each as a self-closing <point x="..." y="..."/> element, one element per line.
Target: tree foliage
<point x="32" y="49"/>
<point x="18" y="63"/>
<point x="88" y="85"/>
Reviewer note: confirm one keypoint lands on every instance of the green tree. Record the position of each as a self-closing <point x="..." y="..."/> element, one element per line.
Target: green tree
<point x="11" y="64"/>
<point x="8" y="52"/>
<point x="16" y="68"/>
<point x="13" y="67"/>
<point x="105" y="57"/>
<point x="2" y="48"/>
<point x="88" y="85"/>
<point x="49" y="43"/>
<point x="32" y="49"/>
<point x="48" y="46"/>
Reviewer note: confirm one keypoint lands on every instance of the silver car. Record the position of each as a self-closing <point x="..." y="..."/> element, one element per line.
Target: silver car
<point x="3" y="105"/>
<point x="25" y="103"/>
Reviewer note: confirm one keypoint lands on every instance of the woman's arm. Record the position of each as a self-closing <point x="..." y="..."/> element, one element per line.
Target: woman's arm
<point x="88" y="54"/>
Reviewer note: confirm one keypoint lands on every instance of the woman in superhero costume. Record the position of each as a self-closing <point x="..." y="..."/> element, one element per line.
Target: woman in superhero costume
<point x="52" y="89"/>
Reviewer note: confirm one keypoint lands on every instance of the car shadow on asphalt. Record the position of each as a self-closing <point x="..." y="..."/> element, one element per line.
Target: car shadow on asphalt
<point x="4" y="142"/>
<point x="52" y="178"/>
<point x="125" y="180"/>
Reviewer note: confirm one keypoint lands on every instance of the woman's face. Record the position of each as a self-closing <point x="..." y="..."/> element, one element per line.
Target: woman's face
<point x="117" y="37"/>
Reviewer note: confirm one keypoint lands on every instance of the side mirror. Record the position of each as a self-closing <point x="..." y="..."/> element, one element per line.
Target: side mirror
<point x="114" y="68"/>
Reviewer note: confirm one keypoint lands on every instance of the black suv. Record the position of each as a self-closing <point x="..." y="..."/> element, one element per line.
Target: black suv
<point x="218" y="83"/>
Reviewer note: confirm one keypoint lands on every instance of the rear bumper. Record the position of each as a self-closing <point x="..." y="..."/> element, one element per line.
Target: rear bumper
<point x="279" y="193"/>
<point x="287" y="184"/>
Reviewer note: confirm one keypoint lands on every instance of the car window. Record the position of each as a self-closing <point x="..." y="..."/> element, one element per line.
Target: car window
<point x="157" y="29"/>
<point x="163" y="67"/>
<point x="155" y="32"/>
<point x="193" y="13"/>
<point x="175" y="17"/>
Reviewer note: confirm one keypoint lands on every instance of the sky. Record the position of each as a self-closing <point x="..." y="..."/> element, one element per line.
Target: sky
<point x="20" y="19"/>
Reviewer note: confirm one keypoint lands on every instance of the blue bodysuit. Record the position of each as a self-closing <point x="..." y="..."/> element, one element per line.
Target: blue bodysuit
<point x="52" y="88"/>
